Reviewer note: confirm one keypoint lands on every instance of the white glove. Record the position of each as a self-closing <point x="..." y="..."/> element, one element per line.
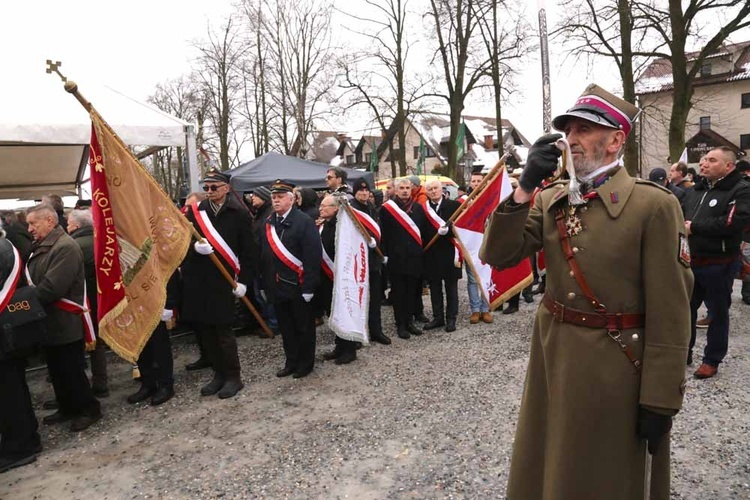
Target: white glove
<point x="203" y="247"/>
<point x="443" y="230"/>
<point x="263" y="294"/>
<point x="167" y="314"/>
<point x="240" y="291"/>
<point x="307" y="296"/>
<point x="385" y="260"/>
<point x="372" y="243"/>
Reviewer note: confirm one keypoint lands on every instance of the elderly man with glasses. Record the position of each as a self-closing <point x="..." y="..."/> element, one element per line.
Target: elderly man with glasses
<point x="208" y="301"/>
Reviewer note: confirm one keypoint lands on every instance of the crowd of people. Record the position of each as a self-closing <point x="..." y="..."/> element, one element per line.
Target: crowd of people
<point x="629" y="264"/>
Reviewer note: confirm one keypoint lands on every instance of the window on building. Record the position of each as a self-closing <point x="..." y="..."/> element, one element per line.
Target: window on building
<point x="745" y="141"/>
<point x="745" y="101"/>
<point x="368" y="158"/>
<point x="706" y="69"/>
<point x="430" y="153"/>
<point x="416" y="152"/>
<point x="350" y="159"/>
<point x="705" y="123"/>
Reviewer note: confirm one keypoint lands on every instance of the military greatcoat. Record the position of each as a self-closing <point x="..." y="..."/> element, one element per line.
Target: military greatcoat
<point x="576" y="435"/>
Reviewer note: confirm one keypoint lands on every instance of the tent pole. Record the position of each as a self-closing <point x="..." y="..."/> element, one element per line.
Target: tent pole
<point x="193" y="172"/>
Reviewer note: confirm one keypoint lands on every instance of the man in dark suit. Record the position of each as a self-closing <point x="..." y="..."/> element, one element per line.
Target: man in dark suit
<point x="441" y="258"/>
<point x="208" y="299"/>
<point x="290" y="255"/>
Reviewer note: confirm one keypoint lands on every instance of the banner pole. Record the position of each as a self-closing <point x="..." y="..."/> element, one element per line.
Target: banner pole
<point x="72" y="88"/>
<point x="360" y="226"/>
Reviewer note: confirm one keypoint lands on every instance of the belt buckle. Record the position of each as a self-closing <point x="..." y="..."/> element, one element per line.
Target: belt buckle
<point x="559" y="313"/>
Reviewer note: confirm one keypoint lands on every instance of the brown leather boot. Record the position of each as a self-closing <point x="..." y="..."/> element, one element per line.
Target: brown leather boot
<point x="705" y="371"/>
<point x="487" y="317"/>
<point x="474" y="319"/>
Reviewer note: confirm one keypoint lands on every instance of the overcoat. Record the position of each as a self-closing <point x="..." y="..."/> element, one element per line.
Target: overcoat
<point x="207" y="296"/>
<point x="405" y="255"/>
<point x="440" y="257"/>
<point x="576" y="434"/>
<point x="56" y="268"/>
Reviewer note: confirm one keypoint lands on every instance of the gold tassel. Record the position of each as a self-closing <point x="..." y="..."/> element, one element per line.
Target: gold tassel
<point x="136" y="372"/>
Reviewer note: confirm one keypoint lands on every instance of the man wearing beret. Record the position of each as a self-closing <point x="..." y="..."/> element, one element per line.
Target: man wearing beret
<point x="208" y="301"/>
<point x="290" y="255"/>
<point x="607" y="365"/>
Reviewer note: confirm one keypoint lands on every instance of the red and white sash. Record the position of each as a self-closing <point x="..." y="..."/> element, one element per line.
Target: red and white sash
<point x="368" y="222"/>
<point x="212" y="235"/>
<point x="283" y="254"/>
<point x="404" y="219"/>
<point x="74" y="307"/>
<point x="9" y="287"/>
<point x="438" y="222"/>
<point x="327" y="262"/>
<point x="463" y="198"/>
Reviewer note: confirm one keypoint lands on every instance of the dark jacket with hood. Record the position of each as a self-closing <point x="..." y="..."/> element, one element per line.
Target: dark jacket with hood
<point x="309" y="204"/>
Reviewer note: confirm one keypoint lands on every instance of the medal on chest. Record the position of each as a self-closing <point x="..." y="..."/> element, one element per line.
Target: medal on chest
<point x="573" y="224"/>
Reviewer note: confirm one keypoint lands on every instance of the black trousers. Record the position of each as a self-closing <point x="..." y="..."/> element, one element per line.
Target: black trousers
<point x="18" y="424"/>
<point x="220" y="346"/>
<point x="156" y="363"/>
<point x="66" y="365"/>
<point x="297" y="325"/>
<point x="374" y="318"/>
<point x="450" y="312"/>
<point x="405" y="290"/>
<point x="99" y="362"/>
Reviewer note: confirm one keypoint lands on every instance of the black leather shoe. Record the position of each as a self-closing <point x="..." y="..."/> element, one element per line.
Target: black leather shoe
<point x="52" y="404"/>
<point x="510" y="310"/>
<point x="403" y="333"/>
<point x="163" y="394"/>
<point x="56" y="418"/>
<point x="333" y="354"/>
<point x="302" y="374"/>
<point x="200" y="364"/>
<point x="381" y="339"/>
<point x="435" y="323"/>
<point x="143" y="394"/>
<point x="528" y="297"/>
<point x="346" y="358"/>
<point x="412" y="328"/>
<point x="213" y="387"/>
<point x="450" y="326"/>
<point x="84" y="422"/>
<point x="421" y="318"/>
<point x="285" y="372"/>
<point x="231" y="388"/>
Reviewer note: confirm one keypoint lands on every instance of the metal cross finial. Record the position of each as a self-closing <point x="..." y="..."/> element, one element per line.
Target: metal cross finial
<point x="55" y="67"/>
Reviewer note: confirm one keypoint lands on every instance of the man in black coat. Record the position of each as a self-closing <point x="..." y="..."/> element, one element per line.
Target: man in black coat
<point x="717" y="210"/>
<point x="290" y="257"/>
<point x="260" y="198"/>
<point x="362" y="205"/>
<point x="440" y="258"/>
<point x="208" y="301"/>
<point x="402" y="223"/>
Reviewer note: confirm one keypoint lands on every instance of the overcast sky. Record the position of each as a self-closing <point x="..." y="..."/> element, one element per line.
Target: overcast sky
<point x="131" y="46"/>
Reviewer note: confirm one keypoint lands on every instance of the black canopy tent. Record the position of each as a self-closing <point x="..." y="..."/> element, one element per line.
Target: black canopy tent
<point x="265" y="169"/>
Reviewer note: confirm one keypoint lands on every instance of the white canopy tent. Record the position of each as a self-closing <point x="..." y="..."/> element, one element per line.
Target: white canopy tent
<point x="45" y="132"/>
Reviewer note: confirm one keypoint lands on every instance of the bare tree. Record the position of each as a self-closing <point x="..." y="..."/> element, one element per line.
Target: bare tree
<point x="219" y="69"/>
<point x="507" y="38"/>
<point x="455" y="23"/>
<point x="255" y="88"/>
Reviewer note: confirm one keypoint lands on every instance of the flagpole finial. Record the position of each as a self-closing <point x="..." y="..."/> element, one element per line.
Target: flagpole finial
<point x="55" y="67"/>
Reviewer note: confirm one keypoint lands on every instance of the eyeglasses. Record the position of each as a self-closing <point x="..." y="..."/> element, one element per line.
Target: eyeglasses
<point x="213" y="187"/>
<point x="330" y="177"/>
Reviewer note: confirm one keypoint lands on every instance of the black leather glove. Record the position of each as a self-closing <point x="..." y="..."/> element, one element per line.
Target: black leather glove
<point x="541" y="162"/>
<point x="652" y="427"/>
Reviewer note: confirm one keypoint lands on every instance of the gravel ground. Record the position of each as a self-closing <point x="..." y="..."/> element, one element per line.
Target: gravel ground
<point x="429" y="417"/>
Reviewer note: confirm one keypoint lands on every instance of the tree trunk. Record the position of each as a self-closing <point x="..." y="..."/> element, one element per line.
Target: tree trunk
<point x="628" y="81"/>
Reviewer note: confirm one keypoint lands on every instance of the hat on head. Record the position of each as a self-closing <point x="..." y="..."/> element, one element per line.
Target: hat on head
<point x="599" y="106"/>
<point x="360" y="185"/>
<point x="263" y="193"/>
<point x="216" y="175"/>
<point x="743" y="165"/>
<point x="282" y="186"/>
<point x="415" y="180"/>
<point x="657" y="175"/>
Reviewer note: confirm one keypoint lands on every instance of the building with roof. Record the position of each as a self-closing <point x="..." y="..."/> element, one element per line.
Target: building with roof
<point x="720" y="115"/>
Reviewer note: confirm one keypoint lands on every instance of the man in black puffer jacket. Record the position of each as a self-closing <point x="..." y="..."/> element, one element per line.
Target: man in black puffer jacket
<point x="717" y="210"/>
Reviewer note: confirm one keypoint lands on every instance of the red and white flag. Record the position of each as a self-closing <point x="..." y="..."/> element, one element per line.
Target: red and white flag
<point x="351" y="282"/>
<point x="496" y="286"/>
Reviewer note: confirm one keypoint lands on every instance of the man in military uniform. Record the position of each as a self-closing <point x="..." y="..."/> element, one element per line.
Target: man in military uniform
<point x="365" y="210"/>
<point x="441" y="258"/>
<point x="290" y="256"/>
<point x="607" y="365"/>
<point x="208" y="301"/>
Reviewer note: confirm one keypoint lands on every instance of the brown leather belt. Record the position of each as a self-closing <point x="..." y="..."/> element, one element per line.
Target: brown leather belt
<point x="608" y="321"/>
